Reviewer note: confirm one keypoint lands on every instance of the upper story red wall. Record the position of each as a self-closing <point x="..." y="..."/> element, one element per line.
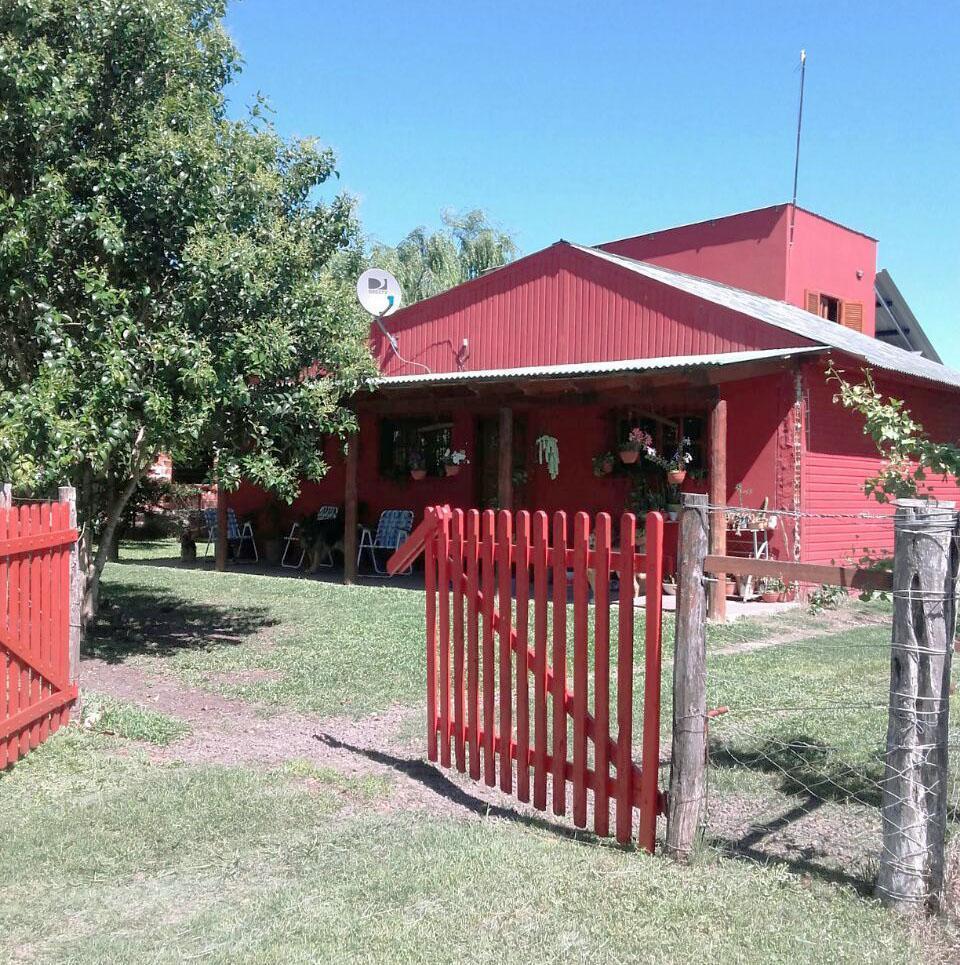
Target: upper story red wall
<point x="753" y="250"/>
<point x="563" y="305"/>
<point x="744" y="250"/>
<point x="834" y="260"/>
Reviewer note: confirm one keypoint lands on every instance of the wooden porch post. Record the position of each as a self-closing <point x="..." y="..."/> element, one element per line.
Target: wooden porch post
<point x="350" y="510"/>
<point x="505" y="460"/>
<point x="717" y="596"/>
<point x="221" y="547"/>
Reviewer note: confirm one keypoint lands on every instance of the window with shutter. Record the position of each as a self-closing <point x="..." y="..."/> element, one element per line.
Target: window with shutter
<point x="852" y="316"/>
<point x="813" y="302"/>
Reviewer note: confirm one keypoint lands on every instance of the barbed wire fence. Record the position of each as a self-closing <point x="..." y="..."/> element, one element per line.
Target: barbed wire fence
<point x="827" y="745"/>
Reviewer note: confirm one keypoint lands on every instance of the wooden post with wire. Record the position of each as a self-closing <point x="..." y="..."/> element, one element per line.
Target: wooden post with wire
<point x="914" y="801"/>
<point x="688" y="762"/>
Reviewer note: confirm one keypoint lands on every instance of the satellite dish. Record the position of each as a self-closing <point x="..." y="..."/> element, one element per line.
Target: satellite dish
<point x="379" y="292"/>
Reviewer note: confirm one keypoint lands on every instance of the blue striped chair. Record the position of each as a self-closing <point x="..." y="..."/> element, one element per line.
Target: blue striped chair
<point x="393" y="528"/>
<point x="235" y="532"/>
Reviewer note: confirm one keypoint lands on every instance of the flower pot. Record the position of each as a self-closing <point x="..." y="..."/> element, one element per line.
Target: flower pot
<point x="673" y="511"/>
<point x="770" y="596"/>
<point x="731" y="588"/>
<point x="676" y="476"/>
<point x="670" y="589"/>
<point x="452" y="470"/>
<point x="418" y="474"/>
<point x="629" y="456"/>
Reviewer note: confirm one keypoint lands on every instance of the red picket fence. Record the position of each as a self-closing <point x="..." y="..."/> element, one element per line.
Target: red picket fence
<point x="35" y="687"/>
<point x="493" y="582"/>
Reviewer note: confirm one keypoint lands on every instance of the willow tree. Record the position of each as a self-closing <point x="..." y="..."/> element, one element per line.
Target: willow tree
<point x="429" y="262"/>
<point x="165" y="281"/>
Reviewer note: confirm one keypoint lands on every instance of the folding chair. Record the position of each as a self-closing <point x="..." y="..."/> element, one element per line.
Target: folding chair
<point x="324" y="513"/>
<point x="235" y="532"/>
<point x="393" y="528"/>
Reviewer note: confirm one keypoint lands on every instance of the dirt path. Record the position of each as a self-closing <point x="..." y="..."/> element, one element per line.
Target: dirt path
<point x="231" y="731"/>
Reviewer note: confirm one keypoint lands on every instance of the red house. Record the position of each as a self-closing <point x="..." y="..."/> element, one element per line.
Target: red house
<point x="719" y="331"/>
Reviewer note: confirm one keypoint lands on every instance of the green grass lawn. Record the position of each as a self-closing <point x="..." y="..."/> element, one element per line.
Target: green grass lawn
<point x="109" y="854"/>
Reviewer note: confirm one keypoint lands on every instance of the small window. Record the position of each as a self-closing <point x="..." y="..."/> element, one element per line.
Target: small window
<point x="830" y="308"/>
<point x="400" y="439"/>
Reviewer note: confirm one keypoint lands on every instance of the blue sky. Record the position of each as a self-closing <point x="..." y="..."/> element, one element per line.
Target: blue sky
<point x="596" y="121"/>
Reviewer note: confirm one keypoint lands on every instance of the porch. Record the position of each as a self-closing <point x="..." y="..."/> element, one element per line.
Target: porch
<point x="502" y="419"/>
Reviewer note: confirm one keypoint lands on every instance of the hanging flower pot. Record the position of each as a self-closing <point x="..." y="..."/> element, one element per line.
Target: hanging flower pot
<point x="418" y="474"/>
<point x="629" y="456"/>
<point x="676" y="476"/>
<point x="451" y="469"/>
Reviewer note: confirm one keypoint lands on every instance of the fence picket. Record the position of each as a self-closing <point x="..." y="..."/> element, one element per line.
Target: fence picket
<point x="581" y="538"/>
<point x="5" y="609"/>
<point x="489" y="681"/>
<point x="430" y="587"/>
<point x="456" y="565"/>
<point x="443" y="617"/>
<point x="559" y="663"/>
<point x="473" y="644"/>
<point x="504" y="608"/>
<point x="624" y="762"/>
<point x="650" y="766"/>
<point x="26" y="638"/>
<point x="42" y="617"/>
<point x="522" y="571"/>
<point x="601" y="697"/>
<point x="540" y="558"/>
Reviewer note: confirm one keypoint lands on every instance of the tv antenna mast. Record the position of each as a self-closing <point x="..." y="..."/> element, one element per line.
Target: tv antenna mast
<point x="796" y="159"/>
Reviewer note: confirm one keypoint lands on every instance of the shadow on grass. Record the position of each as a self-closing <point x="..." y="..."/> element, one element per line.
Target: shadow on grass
<point x="434" y="780"/>
<point x="805" y="765"/>
<point x="818" y="774"/>
<point x="133" y="621"/>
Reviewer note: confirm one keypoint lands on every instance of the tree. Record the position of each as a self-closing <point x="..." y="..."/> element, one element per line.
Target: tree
<point x="909" y="455"/>
<point x="427" y="263"/>
<point x="167" y="277"/>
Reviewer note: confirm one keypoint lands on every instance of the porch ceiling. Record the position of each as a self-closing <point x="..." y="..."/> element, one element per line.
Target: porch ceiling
<point x="579" y="376"/>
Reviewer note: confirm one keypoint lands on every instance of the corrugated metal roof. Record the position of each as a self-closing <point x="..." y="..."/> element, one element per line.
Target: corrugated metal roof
<point x="581" y="369"/>
<point x="789" y="318"/>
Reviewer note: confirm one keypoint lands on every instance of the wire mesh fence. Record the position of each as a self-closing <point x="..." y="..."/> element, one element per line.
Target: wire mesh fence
<point x="799" y="755"/>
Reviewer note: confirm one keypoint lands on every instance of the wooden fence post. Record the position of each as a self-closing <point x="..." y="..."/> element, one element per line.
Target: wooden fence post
<point x="688" y="761"/>
<point x="67" y="494"/>
<point x="914" y="799"/>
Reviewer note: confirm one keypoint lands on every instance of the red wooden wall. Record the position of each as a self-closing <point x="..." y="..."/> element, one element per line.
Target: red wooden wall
<point x="838" y="458"/>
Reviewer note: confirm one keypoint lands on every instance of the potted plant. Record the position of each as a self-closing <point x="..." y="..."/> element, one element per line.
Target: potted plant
<point x="603" y="464"/>
<point x="676" y="465"/>
<point x="637" y="441"/>
<point x="673" y="503"/>
<point x="670" y="585"/>
<point x="418" y="465"/>
<point x="454" y="460"/>
<point x="773" y="590"/>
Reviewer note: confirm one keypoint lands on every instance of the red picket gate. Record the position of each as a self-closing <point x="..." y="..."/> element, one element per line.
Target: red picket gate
<point x="493" y="581"/>
<point x="35" y="687"/>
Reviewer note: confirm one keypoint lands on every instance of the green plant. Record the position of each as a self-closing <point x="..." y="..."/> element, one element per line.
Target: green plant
<point x="826" y="597"/>
<point x="416" y="461"/>
<point x="909" y="455"/>
<point x="548" y="454"/>
<point x="603" y="464"/>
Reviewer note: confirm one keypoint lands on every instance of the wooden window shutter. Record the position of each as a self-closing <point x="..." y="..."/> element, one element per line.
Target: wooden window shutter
<point x="851" y="315"/>
<point x="813" y="302"/>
